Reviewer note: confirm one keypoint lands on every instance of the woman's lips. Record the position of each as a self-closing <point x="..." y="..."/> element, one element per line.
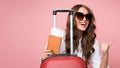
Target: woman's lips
<point x="83" y="24"/>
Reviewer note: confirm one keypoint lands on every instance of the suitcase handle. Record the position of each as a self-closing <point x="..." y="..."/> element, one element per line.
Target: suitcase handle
<point x="59" y="55"/>
<point x="71" y="24"/>
<point x="62" y="10"/>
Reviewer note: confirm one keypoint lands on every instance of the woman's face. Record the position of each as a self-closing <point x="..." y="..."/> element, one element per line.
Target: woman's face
<point x="82" y="24"/>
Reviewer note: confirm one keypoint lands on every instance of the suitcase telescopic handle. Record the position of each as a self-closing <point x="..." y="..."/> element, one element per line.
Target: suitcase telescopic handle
<point x="71" y="24"/>
<point x="63" y="10"/>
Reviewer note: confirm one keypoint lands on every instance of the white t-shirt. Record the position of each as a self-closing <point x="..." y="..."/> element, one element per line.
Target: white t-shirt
<point x="95" y="57"/>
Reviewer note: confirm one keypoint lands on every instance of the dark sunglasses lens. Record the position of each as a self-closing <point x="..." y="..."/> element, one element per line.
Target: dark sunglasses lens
<point x="88" y="16"/>
<point x="80" y="16"/>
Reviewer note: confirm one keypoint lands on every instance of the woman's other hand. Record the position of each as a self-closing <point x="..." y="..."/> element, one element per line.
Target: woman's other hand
<point x="46" y="54"/>
<point x="105" y="47"/>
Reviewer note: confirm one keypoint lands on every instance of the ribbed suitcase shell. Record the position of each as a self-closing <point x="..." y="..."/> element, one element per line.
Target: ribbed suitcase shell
<point x="63" y="62"/>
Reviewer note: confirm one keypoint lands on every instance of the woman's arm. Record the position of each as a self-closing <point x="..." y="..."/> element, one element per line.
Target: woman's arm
<point x="105" y="49"/>
<point x="104" y="62"/>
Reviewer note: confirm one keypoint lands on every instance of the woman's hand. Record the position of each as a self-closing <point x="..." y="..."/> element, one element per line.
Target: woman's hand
<point x="46" y="54"/>
<point x="105" y="47"/>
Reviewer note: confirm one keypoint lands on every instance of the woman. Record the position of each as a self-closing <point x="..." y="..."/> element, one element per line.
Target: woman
<point x="84" y="38"/>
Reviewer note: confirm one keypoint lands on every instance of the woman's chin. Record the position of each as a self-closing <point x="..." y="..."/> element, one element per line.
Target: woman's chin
<point x="82" y="29"/>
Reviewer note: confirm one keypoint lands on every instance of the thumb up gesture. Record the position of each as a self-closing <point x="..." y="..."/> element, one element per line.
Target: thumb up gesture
<point x="105" y="47"/>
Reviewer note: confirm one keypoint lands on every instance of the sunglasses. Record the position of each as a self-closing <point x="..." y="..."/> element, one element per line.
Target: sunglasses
<point x="80" y="16"/>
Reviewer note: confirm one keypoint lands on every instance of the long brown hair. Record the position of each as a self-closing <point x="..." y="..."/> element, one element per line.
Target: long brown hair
<point x="88" y="36"/>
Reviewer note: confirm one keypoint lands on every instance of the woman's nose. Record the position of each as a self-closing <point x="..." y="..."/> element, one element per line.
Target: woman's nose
<point x="84" y="18"/>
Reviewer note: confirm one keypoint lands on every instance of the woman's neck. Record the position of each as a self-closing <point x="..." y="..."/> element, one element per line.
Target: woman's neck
<point x="79" y="34"/>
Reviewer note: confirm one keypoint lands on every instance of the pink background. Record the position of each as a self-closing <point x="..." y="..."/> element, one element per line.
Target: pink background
<point x="25" y="26"/>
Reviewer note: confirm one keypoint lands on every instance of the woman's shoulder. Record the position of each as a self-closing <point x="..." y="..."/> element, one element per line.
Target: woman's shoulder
<point x="96" y="43"/>
<point x="96" y="40"/>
